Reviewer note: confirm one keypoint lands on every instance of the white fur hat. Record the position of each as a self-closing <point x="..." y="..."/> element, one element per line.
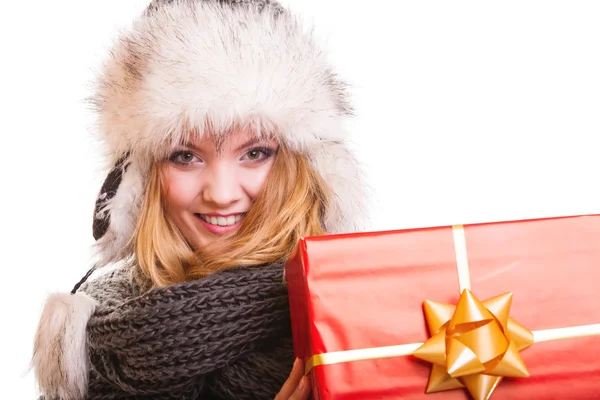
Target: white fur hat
<point x="230" y="62"/>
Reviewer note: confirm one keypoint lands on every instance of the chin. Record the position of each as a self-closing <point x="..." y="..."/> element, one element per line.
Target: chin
<point x="200" y="242"/>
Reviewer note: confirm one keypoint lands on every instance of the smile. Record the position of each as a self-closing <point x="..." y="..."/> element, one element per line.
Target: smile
<point x="222" y="221"/>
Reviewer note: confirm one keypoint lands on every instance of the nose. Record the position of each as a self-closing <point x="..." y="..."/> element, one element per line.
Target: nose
<point x="222" y="187"/>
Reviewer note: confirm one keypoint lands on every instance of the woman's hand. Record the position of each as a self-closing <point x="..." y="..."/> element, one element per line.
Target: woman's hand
<point x="297" y="386"/>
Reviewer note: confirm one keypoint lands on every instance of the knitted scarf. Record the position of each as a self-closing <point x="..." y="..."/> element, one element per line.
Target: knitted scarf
<point x="223" y="337"/>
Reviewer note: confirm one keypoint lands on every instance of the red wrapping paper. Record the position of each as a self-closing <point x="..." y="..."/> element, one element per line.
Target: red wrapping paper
<point x="367" y="290"/>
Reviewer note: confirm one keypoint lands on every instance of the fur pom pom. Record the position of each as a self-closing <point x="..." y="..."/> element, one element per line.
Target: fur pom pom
<point x="60" y="357"/>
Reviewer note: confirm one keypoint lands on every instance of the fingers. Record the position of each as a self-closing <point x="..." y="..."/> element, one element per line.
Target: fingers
<point x="290" y="385"/>
<point x="302" y="390"/>
<point x="296" y="387"/>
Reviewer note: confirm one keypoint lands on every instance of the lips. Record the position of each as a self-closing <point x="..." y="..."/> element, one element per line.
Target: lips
<point x="220" y="224"/>
<point x="221" y="220"/>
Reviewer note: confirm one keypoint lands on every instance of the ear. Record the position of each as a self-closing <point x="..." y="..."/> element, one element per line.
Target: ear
<point x="60" y="357"/>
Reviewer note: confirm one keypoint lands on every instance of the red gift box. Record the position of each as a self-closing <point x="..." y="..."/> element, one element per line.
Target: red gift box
<point x="356" y="303"/>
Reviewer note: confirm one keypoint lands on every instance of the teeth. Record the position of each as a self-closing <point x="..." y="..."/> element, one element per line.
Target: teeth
<point x="222" y="221"/>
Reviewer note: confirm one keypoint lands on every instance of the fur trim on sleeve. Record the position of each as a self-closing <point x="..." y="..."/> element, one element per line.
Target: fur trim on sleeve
<point x="60" y="358"/>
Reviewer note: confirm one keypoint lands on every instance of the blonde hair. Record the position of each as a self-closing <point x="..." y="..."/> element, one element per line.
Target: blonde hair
<point x="290" y="205"/>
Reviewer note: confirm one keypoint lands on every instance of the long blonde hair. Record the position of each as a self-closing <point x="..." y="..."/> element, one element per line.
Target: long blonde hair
<point x="290" y="205"/>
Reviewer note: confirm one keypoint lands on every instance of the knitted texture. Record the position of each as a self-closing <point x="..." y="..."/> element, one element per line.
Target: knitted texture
<point x="226" y="336"/>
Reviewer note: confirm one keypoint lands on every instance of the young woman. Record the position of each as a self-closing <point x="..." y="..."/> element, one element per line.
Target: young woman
<point x="224" y="128"/>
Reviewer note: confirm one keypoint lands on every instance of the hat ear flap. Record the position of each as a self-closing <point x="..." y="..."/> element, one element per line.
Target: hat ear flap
<point x="107" y="192"/>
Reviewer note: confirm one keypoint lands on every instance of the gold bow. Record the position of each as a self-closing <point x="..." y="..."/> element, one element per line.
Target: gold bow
<point x="473" y="344"/>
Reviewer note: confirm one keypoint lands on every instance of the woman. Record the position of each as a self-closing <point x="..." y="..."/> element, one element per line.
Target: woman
<point x="223" y="124"/>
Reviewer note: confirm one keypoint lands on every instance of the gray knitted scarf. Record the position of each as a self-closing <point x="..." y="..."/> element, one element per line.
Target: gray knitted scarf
<point x="223" y="337"/>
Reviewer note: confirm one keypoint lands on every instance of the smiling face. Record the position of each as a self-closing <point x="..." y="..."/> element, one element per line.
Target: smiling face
<point x="210" y="186"/>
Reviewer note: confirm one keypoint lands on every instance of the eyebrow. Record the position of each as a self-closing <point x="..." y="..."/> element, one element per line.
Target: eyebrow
<point x="251" y="142"/>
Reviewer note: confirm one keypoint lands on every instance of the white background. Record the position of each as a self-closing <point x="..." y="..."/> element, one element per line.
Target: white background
<point x="466" y="112"/>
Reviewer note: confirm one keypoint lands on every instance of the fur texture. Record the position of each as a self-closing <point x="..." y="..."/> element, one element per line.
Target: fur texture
<point x="189" y="63"/>
<point x="60" y="358"/>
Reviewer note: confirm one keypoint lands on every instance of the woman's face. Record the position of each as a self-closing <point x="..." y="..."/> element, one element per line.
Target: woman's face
<point x="211" y="186"/>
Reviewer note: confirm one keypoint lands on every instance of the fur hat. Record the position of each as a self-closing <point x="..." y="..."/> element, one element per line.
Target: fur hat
<point x="249" y="62"/>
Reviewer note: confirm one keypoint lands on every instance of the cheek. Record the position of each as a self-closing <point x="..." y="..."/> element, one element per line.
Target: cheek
<point x="181" y="189"/>
<point x="254" y="180"/>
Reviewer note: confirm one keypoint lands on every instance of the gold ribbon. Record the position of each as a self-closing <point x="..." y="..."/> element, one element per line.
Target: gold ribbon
<point x="474" y="344"/>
